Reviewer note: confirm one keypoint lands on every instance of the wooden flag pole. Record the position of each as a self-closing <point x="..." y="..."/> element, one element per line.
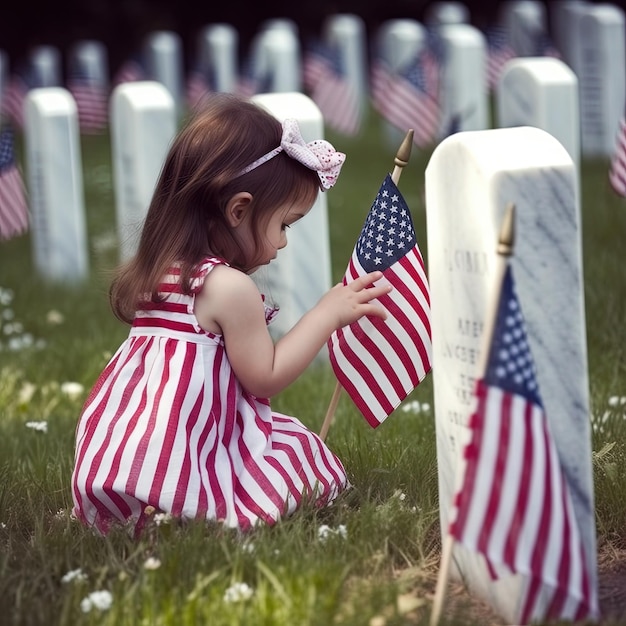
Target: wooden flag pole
<point x="506" y="240"/>
<point x="400" y="161"/>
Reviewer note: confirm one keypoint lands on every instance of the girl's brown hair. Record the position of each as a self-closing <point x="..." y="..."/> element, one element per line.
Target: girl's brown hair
<point x="186" y="221"/>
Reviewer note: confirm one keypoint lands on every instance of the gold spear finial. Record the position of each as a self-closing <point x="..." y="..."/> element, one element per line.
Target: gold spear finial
<point x="402" y="156"/>
<point x="507" y="231"/>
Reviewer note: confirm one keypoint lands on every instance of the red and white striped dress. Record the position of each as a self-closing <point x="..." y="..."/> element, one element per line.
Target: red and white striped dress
<point x="168" y="425"/>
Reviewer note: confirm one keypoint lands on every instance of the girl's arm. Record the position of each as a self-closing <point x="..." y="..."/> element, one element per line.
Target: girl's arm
<point x="231" y="300"/>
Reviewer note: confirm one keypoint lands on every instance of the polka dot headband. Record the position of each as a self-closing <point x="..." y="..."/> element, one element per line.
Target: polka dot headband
<point x="318" y="155"/>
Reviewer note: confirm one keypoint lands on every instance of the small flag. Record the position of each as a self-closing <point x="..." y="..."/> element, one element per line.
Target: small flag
<point x="380" y="80"/>
<point x="130" y="71"/>
<point x="91" y="101"/>
<point x="19" y="84"/>
<point x="412" y="99"/>
<point x="617" y="171"/>
<point x="514" y="505"/>
<point x="332" y="91"/>
<point x="379" y="362"/>
<point x="499" y="52"/>
<point x="199" y="86"/>
<point x="13" y="209"/>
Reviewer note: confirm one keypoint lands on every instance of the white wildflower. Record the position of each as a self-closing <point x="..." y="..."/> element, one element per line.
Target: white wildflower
<point x="72" y="390"/>
<point x="101" y="600"/>
<point x="75" y="574"/>
<point x="162" y="518"/>
<point x="40" y="426"/>
<point x="26" y="393"/>
<point x="248" y="546"/>
<point x="425" y="407"/>
<point x="54" y="317"/>
<point x="412" y="406"/>
<point x="6" y="296"/>
<point x="325" y="531"/>
<point x="3" y="525"/>
<point x="613" y="401"/>
<point x="8" y="314"/>
<point x="402" y="497"/>
<point x="239" y="592"/>
<point x="152" y="563"/>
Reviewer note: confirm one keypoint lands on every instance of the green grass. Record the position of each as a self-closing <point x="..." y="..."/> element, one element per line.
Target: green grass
<point x="383" y="570"/>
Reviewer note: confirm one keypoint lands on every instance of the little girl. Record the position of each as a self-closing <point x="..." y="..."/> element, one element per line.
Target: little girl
<point x="180" y="420"/>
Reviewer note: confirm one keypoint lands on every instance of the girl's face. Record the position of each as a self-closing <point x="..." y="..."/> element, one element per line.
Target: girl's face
<point x="273" y="235"/>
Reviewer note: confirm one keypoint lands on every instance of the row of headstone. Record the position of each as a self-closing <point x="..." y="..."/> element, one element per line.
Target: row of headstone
<point x="275" y="64"/>
<point x="470" y="178"/>
<point x="143" y="124"/>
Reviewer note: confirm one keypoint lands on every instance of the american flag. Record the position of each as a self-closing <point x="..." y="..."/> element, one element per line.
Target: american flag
<point x="313" y="65"/>
<point x="129" y="71"/>
<point x="514" y="505"/>
<point x="379" y="362"/>
<point x="617" y="171"/>
<point x="413" y="97"/>
<point x="499" y="52"/>
<point x="199" y="86"/>
<point x="12" y="106"/>
<point x="13" y="209"/>
<point x="380" y="79"/>
<point x="332" y="91"/>
<point x="91" y="101"/>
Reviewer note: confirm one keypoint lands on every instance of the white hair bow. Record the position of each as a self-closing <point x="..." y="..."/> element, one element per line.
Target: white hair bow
<point x="318" y="155"/>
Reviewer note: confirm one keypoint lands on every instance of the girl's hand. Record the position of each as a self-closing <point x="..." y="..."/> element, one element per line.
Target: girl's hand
<point x="345" y="304"/>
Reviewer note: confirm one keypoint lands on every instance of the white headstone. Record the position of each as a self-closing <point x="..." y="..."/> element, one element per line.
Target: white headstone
<point x="438" y="13"/>
<point x="347" y="32"/>
<point x="566" y="30"/>
<point x="398" y="42"/>
<point x="602" y="79"/>
<point x="45" y="63"/>
<point x="526" y="24"/>
<point x="561" y="28"/>
<point x="55" y="185"/>
<point x="163" y="54"/>
<point x="464" y="93"/>
<point x="89" y="58"/>
<point x="143" y="124"/>
<point x="470" y="179"/>
<point x="277" y="58"/>
<point x="301" y="273"/>
<point x="217" y="56"/>
<point x="541" y="92"/>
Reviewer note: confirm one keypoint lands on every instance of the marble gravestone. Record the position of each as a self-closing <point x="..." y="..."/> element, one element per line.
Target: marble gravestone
<point x="464" y="92"/>
<point x="470" y="179"/>
<point x="601" y="79"/>
<point x="45" y="64"/>
<point x="565" y="29"/>
<point x="438" y="13"/>
<point x="526" y="24"/>
<point x="276" y="57"/>
<point x="217" y="56"/>
<point x="89" y="58"/>
<point x="397" y="42"/>
<point x="143" y="124"/>
<point x="163" y="54"/>
<point x="541" y="92"/>
<point x="301" y="273"/>
<point x="347" y="32"/>
<point x="55" y="185"/>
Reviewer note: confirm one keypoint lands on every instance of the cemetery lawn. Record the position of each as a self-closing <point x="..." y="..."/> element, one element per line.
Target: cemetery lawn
<point x="372" y="557"/>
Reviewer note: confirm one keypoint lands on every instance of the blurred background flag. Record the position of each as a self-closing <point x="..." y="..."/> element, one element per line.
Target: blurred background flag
<point x="379" y="362"/>
<point x="199" y="86"/>
<point x="13" y="208"/>
<point x="412" y="97"/>
<point x="617" y="170"/>
<point x="499" y="52"/>
<point x="514" y="506"/>
<point x="91" y="101"/>
<point x="325" y="78"/>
